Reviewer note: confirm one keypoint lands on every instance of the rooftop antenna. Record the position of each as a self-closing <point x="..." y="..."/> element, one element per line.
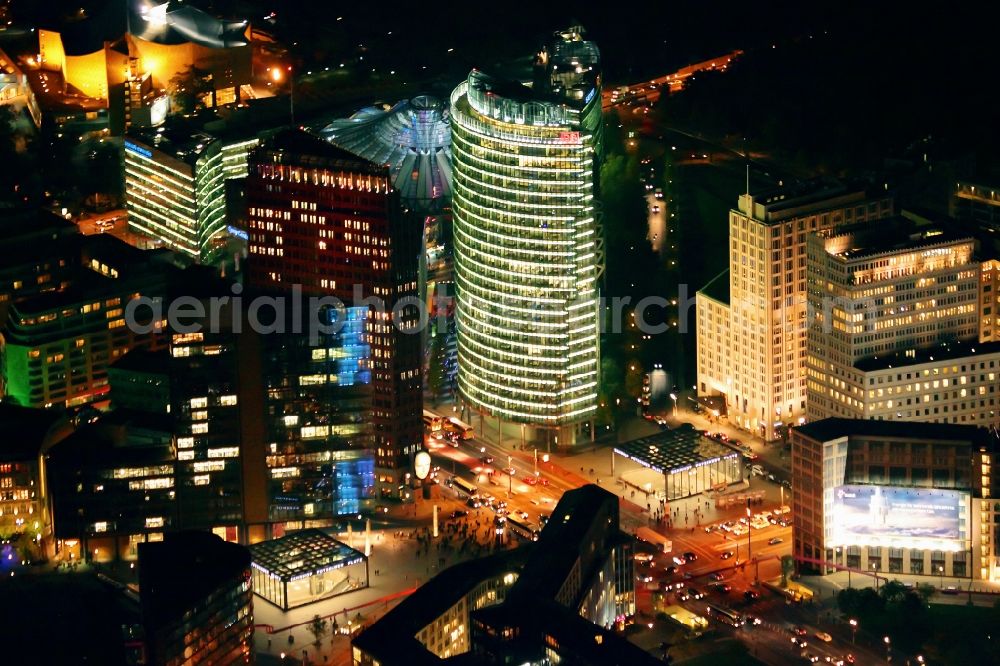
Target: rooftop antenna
<point x="746" y="156"/>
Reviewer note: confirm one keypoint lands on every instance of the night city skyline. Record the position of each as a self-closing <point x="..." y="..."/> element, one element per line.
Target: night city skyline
<point x="388" y="334"/>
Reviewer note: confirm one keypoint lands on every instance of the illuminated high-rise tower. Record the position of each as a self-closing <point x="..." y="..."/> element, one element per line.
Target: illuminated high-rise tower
<point x="528" y="247"/>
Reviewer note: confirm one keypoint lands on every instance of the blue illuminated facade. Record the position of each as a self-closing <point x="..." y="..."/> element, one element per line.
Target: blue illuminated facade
<point x="317" y="425"/>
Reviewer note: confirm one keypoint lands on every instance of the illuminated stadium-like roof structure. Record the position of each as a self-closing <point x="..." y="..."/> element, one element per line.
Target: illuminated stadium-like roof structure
<point x="413" y="139"/>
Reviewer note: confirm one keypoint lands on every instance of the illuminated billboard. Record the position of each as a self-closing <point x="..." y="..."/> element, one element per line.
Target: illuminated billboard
<point x="899" y="517"/>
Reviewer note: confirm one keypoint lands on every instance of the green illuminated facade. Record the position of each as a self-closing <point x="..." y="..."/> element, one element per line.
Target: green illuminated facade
<point x="528" y="247"/>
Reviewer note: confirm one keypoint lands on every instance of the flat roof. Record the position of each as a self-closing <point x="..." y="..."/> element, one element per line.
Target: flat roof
<point x="674" y="450"/>
<point x="834" y="428"/>
<point x="873" y="242"/>
<point x="26" y="430"/>
<point x="946" y="351"/>
<point x="182" y="570"/>
<point x="178" y="140"/>
<point x="302" y="554"/>
<point x="145" y="361"/>
<point x="797" y="198"/>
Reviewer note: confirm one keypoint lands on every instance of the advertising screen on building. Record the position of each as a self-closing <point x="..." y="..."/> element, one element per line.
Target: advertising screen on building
<point x="899" y="517"/>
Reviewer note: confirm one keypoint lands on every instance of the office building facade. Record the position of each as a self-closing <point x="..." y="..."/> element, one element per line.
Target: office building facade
<point x="175" y="189"/>
<point x="894" y="498"/>
<point x="527" y="243"/>
<point x="57" y="347"/>
<point x="196" y="601"/>
<point x="328" y="223"/>
<point x="878" y="296"/>
<point x="766" y="389"/>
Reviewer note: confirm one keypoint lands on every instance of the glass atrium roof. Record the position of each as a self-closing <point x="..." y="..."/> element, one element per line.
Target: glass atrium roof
<point x="303" y="553"/>
<point x="674" y="451"/>
<point x="413" y="138"/>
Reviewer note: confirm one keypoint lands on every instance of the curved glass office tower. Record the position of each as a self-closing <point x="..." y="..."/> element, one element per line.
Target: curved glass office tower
<point x="528" y="252"/>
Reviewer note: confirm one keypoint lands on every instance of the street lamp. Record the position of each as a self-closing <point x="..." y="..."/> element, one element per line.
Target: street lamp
<point x="673" y="396"/>
<point x="888" y="647"/>
<point x="941" y="572"/>
<point x="749" y="530"/>
<point x="510" y="476"/>
<point x="875" y="574"/>
<point x="854" y="630"/>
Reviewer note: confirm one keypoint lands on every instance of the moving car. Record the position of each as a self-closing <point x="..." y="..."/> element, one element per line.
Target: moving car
<point x="751" y="595"/>
<point x="774" y="541"/>
<point x="717" y="576"/>
<point x="683" y="595"/>
<point x="459" y="514"/>
<point x="823" y="636"/>
<point x="678" y="560"/>
<point x="721" y="588"/>
<point x="799" y="631"/>
<point x="726" y="555"/>
<point x="690" y="556"/>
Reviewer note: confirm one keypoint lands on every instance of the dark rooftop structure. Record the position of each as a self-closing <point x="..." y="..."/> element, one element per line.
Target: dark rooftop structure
<point x="718" y="288"/>
<point x="802" y="197"/>
<point x="27" y="431"/>
<point x="394" y="636"/>
<point x="145" y="361"/>
<point x="554" y="558"/>
<point x="175" y="140"/>
<point x="889" y="235"/>
<point x="941" y="352"/>
<point x="544" y="609"/>
<point x="307" y="148"/>
<point x="179" y="572"/>
<point x="833" y="428"/>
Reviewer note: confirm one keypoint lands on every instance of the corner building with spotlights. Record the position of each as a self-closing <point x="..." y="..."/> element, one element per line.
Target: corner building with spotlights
<point x="528" y="244"/>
